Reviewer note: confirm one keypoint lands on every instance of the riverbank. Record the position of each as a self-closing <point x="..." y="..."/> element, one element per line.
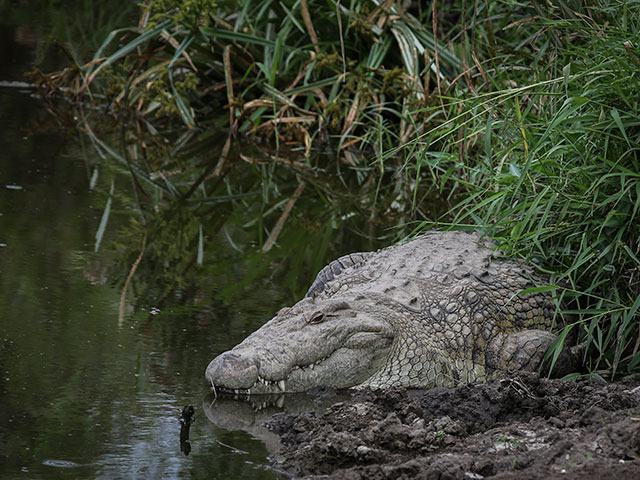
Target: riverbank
<point x="520" y="427"/>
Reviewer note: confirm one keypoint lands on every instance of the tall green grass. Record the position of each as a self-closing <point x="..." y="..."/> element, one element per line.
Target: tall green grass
<point x="547" y="153"/>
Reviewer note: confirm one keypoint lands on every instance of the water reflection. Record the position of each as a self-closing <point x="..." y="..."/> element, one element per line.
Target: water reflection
<point x="249" y="413"/>
<point x="82" y="398"/>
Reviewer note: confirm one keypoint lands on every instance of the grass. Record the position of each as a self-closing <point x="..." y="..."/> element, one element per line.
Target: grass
<point x="521" y="116"/>
<point x="550" y="167"/>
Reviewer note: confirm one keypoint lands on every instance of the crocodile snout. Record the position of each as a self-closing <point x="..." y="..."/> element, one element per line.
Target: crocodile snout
<point x="232" y="370"/>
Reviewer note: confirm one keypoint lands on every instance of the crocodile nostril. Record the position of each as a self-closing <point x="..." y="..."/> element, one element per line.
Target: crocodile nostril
<point x="233" y="361"/>
<point x="230" y="358"/>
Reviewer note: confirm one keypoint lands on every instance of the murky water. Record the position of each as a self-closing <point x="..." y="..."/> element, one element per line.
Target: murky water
<point x="83" y="394"/>
<point x="82" y="397"/>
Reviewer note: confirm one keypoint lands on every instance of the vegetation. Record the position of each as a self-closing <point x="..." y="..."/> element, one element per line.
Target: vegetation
<point x="521" y="116"/>
<point x="549" y="157"/>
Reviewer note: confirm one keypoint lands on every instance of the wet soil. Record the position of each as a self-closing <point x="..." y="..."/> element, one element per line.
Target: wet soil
<point x="522" y="427"/>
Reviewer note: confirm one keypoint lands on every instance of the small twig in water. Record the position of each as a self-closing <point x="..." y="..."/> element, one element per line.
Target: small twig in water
<point x="134" y="267"/>
<point x="287" y="210"/>
<point x="234" y="449"/>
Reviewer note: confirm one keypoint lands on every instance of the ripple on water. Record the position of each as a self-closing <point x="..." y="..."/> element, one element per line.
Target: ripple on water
<point x="60" y="464"/>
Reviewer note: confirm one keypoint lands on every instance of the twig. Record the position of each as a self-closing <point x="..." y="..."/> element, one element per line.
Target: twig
<point x="287" y="210"/>
<point x="233" y="449"/>
<point x="344" y="59"/>
<point x="229" y="80"/>
<point x="307" y="23"/>
<point x="434" y="18"/>
<point x="134" y="267"/>
<point x="223" y="156"/>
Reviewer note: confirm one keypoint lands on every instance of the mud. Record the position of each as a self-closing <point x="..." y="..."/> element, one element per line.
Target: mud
<point x="523" y="427"/>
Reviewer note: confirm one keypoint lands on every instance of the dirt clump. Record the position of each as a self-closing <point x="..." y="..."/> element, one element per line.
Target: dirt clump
<point x="521" y="427"/>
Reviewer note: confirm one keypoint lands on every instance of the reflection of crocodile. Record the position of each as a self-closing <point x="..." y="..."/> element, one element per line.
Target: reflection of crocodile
<point x="250" y="413"/>
<point x="442" y="309"/>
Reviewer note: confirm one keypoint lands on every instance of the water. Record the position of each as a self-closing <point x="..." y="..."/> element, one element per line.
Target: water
<point x="83" y="397"/>
<point x="84" y="393"/>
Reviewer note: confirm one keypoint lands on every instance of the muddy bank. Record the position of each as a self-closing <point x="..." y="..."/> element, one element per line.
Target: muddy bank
<point x="522" y="427"/>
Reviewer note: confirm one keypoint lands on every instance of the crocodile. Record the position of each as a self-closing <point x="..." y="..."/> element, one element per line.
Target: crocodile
<point x="443" y="309"/>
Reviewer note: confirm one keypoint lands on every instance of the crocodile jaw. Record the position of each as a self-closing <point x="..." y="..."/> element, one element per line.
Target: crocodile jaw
<point x="355" y="368"/>
<point x="285" y="356"/>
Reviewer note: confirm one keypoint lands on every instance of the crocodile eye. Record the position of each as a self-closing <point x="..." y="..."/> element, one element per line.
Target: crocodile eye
<point x="316" y="317"/>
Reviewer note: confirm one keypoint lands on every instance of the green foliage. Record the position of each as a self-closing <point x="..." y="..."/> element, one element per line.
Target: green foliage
<point x="188" y="13"/>
<point x="549" y="162"/>
<point x="282" y="71"/>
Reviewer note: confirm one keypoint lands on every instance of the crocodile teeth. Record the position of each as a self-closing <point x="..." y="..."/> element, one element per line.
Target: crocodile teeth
<point x="282" y="386"/>
<point x="312" y="366"/>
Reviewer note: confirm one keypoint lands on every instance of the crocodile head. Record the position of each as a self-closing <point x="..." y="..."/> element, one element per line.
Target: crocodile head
<point x="314" y="343"/>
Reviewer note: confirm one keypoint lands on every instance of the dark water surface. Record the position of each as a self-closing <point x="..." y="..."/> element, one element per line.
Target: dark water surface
<point x="81" y="395"/>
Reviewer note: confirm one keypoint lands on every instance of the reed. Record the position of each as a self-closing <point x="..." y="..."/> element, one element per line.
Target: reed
<point x="546" y="155"/>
